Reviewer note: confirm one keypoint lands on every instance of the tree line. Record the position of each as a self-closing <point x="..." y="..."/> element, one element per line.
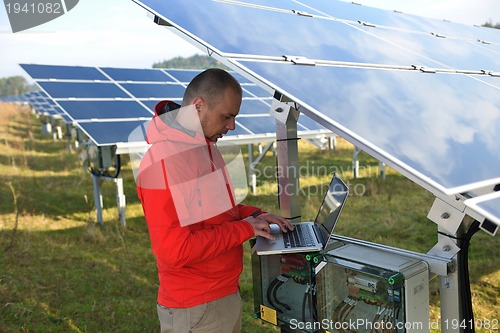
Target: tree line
<point x="14" y="86"/>
<point x="196" y="61"/>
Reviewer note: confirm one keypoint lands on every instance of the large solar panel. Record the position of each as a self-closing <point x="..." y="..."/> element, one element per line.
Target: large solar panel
<point x="108" y="103"/>
<point x="489" y="207"/>
<point x="420" y="95"/>
<point x="281" y="28"/>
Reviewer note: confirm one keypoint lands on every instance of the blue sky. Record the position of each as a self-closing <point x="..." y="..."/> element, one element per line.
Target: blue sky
<point x="118" y="33"/>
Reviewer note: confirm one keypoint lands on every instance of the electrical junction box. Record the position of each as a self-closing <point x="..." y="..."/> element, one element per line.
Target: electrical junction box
<point x="363" y="289"/>
<point x="284" y="289"/>
<point x="99" y="160"/>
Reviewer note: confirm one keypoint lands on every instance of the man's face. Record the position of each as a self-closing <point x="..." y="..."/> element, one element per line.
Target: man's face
<point x="218" y="118"/>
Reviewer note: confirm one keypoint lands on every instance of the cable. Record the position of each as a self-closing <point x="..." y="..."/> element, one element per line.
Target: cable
<point x="304" y="303"/>
<point x="463" y="271"/>
<point x="338" y="309"/>
<point x="281" y="280"/>
<point x="269" y="292"/>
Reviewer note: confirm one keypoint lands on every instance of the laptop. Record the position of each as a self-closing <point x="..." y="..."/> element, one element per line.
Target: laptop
<point x="308" y="236"/>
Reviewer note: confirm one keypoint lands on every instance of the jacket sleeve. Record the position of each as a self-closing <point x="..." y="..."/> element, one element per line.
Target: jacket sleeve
<point x="178" y="246"/>
<point x="247" y="210"/>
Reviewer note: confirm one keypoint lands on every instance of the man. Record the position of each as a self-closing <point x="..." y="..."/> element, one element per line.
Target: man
<point x="196" y="227"/>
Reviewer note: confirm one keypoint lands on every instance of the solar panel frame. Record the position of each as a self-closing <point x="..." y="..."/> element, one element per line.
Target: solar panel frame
<point x="487" y="206"/>
<point x="186" y="25"/>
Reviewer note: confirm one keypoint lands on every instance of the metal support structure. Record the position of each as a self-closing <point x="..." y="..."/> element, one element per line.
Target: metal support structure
<point x="288" y="158"/>
<point x="252" y="164"/>
<point x="46" y="128"/>
<point x="452" y="224"/>
<point x="355" y="162"/>
<point x="332" y="142"/>
<point x="382" y="168"/>
<point x="120" y="197"/>
<point x="57" y="134"/>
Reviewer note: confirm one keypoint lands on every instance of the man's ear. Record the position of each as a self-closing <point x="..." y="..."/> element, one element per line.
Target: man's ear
<point x="198" y="103"/>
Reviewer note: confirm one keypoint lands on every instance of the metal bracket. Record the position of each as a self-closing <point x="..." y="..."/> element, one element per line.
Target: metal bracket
<point x="438" y="35"/>
<point x="299" y="60"/>
<point x="424" y="69"/>
<point x="301" y="13"/>
<point x="446" y="216"/>
<point x="367" y="24"/>
<point x="158" y="20"/>
<point x="445" y="248"/>
<point x="282" y="112"/>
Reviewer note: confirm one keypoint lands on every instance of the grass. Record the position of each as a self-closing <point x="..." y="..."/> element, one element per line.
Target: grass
<point x="61" y="272"/>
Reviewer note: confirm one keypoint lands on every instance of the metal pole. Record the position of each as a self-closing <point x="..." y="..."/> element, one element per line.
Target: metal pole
<point x="288" y="160"/>
<point x="97" y="197"/>
<point x="120" y="200"/>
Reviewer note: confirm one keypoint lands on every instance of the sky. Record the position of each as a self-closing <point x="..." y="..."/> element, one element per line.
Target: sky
<point x="118" y="33"/>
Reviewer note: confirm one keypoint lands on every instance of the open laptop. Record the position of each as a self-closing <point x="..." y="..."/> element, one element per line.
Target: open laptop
<point x="308" y="236"/>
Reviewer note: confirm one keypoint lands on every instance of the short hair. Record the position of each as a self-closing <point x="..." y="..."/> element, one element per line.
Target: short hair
<point x="210" y="85"/>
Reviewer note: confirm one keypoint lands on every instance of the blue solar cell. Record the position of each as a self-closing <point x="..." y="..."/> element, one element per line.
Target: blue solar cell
<point x="129" y="74"/>
<point x="415" y="122"/>
<point x="254" y="106"/>
<point x="257" y="91"/>
<point x="150" y="104"/>
<point x="258" y="125"/>
<point x="63" y="72"/>
<point x="238" y="130"/>
<point x="305" y="123"/>
<point x="241" y="79"/>
<point x="439" y="52"/>
<point x="110" y="133"/>
<point x="183" y="75"/>
<point x="165" y="91"/>
<point x="82" y="90"/>
<point x="104" y="109"/>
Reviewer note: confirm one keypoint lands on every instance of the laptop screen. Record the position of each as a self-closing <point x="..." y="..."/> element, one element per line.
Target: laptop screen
<point x="332" y="205"/>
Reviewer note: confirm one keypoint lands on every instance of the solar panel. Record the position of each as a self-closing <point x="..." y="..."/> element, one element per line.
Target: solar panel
<point x="79" y="110"/>
<point x="63" y="72"/>
<point x="127" y="96"/>
<point x="420" y="95"/>
<point x="489" y="207"/>
<point x="108" y="133"/>
<point x="137" y="75"/>
<point x="297" y="34"/>
<point x="183" y="75"/>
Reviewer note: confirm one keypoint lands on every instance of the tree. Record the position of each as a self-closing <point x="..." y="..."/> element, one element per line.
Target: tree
<point x="491" y="25"/>
<point x="194" y="62"/>
<point x="13" y="86"/>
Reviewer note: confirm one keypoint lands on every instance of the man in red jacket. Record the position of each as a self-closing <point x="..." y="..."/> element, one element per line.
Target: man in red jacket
<point x="196" y="226"/>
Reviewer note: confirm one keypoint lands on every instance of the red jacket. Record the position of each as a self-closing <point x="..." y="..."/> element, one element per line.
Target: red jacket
<point x="201" y="261"/>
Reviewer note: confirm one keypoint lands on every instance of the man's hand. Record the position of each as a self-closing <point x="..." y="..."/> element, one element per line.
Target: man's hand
<point x="261" y="223"/>
<point x="283" y="223"/>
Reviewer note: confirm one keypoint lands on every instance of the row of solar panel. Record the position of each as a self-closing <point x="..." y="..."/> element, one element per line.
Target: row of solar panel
<point x="108" y="103"/>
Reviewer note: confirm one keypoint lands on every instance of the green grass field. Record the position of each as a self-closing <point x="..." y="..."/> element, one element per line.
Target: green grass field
<point x="61" y="272"/>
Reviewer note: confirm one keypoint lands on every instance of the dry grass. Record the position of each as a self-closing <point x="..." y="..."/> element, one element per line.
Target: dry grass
<point x="60" y="272"/>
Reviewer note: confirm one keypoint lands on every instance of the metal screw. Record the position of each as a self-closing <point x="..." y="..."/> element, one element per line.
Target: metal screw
<point x="446" y="248"/>
<point x="445" y="216"/>
<point x="279" y="110"/>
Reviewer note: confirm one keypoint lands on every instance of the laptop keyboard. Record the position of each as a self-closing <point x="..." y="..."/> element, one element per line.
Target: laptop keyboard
<point x="301" y="236"/>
